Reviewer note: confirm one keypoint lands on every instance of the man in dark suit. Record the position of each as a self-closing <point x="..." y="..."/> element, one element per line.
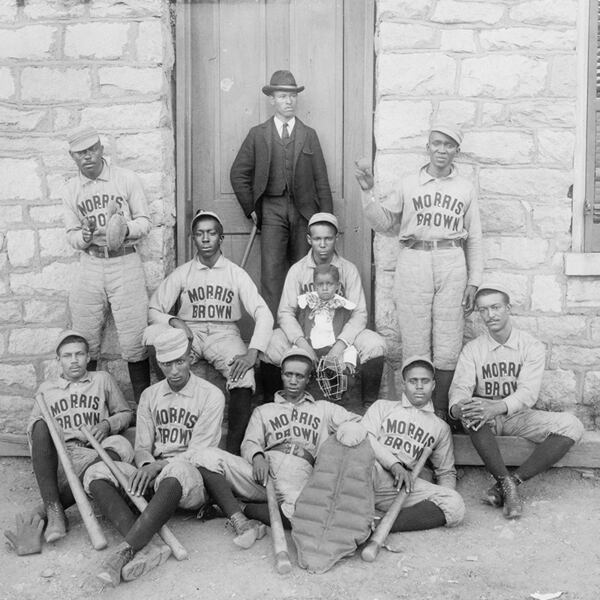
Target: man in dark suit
<point x="280" y="179"/>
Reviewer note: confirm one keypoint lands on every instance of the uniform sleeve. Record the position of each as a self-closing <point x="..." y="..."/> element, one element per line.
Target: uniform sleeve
<point x="207" y="431"/>
<point x="465" y="377"/>
<point x="140" y="224"/>
<point x="163" y="299"/>
<point x="382" y="218"/>
<point x="71" y="219"/>
<point x="144" y="432"/>
<point x="119" y="410"/>
<point x="286" y="314"/>
<point x="353" y="290"/>
<point x="474" y="243"/>
<point x="320" y="176"/>
<point x="529" y="381"/>
<point x="257" y="308"/>
<point x="371" y="421"/>
<point x="242" y="174"/>
<point x="442" y="458"/>
<point x="254" y="439"/>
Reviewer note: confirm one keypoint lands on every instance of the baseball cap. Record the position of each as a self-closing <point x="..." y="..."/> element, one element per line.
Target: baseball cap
<point x="450" y="129"/>
<point x="203" y="214"/>
<point x="324" y="217"/>
<point x="296" y="351"/>
<point x="171" y="344"/>
<point x="493" y="286"/>
<point x="82" y="139"/>
<point x="67" y="333"/>
<point x="411" y="360"/>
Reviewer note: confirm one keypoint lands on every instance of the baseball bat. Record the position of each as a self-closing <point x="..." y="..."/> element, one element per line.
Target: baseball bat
<point x="282" y="558"/>
<point x="83" y="504"/>
<point x="371" y="550"/>
<point x="179" y="552"/>
<point x="249" y="246"/>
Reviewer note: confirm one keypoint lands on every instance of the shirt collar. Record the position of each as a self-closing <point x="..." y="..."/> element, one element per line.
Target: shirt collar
<point x="186" y="390"/>
<point x="406" y="404"/>
<point x="104" y="175"/>
<point x="63" y="383"/>
<point x="279" y="399"/>
<point x="334" y="261"/>
<point x="511" y="342"/>
<point x="425" y="177"/>
<point x="279" y="124"/>
<point x="218" y="265"/>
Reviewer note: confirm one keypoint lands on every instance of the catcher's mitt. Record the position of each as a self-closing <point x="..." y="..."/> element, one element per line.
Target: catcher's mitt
<point x="331" y="378"/>
<point x="116" y="228"/>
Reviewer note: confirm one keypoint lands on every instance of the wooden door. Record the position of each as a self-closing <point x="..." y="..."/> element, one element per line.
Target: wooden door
<point x="226" y="52"/>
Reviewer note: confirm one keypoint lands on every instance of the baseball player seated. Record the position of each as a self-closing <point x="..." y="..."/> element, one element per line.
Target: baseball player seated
<point x="75" y="397"/>
<point x="212" y="291"/>
<point x="398" y="432"/>
<point x="176" y="418"/>
<point x="322" y="313"/>
<point x="322" y="237"/>
<point x="281" y="442"/>
<point x="497" y="382"/>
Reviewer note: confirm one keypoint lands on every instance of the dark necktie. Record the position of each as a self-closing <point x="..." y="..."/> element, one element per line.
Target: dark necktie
<point x="285" y="136"/>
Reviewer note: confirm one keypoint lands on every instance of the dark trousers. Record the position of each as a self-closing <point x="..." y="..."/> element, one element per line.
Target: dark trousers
<point x="283" y="242"/>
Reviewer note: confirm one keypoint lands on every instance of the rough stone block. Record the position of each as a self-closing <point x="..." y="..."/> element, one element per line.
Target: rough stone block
<point x="457" y="111"/>
<point x="22" y="375"/>
<point x="566" y="328"/>
<point x="403" y="9"/>
<point x="44" y="84"/>
<point x="53" y="242"/>
<point x="32" y="42"/>
<point x="527" y="38"/>
<point x="552" y="219"/>
<point x="51" y="213"/>
<point x="542" y="182"/>
<point x="116" y="80"/>
<point x="575" y="357"/>
<point x="492" y="113"/>
<point x="516" y="284"/>
<point x="539" y="112"/>
<point x="591" y="388"/>
<point x="33" y="341"/>
<point x="141" y="115"/>
<point x="12" y="119"/>
<point x="505" y="147"/>
<point x="42" y="9"/>
<point x="21" y="247"/>
<point x="10" y="311"/>
<point x="65" y="118"/>
<point x="14" y="413"/>
<point x="125" y="8"/>
<point x="154" y="272"/>
<point x="595" y="329"/>
<point x="10" y="214"/>
<point x="96" y="40"/>
<point x="389" y="169"/>
<point x="145" y="150"/>
<point x="395" y="121"/>
<point x="559" y="390"/>
<point x="410" y="74"/>
<point x="502" y="216"/>
<point x="514" y="252"/>
<point x="149" y="44"/>
<point x="503" y="76"/>
<point x="45" y="311"/>
<point x="386" y="248"/>
<point x="398" y="36"/>
<point x="458" y="40"/>
<point x="450" y="11"/>
<point x="544" y="12"/>
<point x="556" y="146"/>
<point x="563" y="78"/>
<point x="7" y="83"/>
<point x="54" y="277"/>
<point x="546" y="294"/>
<point x="8" y="11"/>
<point x="583" y="292"/>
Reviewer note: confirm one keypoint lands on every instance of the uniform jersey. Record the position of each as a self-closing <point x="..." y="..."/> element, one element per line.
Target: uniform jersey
<point x="84" y="197"/>
<point x="170" y="424"/>
<point x="403" y="431"/>
<point x="307" y="423"/>
<point x="209" y="294"/>
<point x="512" y="371"/>
<point x="299" y="280"/>
<point x="94" y="398"/>
<point x="429" y="208"/>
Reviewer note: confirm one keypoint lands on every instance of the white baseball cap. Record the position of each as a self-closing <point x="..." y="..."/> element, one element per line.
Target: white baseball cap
<point x="82" y="139"/>
<point x="493" y="286"/>
<point x="324" y="217"/>
<point x="411" y="360"/>
<point x="203" y="214"/>
<point x="171" y="344"/>
<point x="452" y="130"/>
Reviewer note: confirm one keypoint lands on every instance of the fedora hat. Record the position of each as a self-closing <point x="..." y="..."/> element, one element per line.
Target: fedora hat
<point x="282" y="81"/>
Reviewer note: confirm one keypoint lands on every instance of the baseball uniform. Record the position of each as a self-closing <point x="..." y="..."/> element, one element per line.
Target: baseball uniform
<point x="430" y="282"/>
<point x="399" y="432"/>
<point x="511" y="371"/>
<point x="114" y="279"/>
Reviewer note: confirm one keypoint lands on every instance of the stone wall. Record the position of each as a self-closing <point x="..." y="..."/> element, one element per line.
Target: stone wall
<point x="66" y="63"/>
<point x="505" y="69"/>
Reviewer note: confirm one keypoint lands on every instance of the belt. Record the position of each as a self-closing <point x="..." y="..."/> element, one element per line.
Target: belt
<point x="104" y="252"/>
<point x="296" y="450"/>
<point x="433" y="244"/>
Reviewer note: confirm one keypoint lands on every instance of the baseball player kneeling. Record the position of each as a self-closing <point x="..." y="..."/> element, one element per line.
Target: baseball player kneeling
<point x="398" y="432"/>
<point x="212" y="291"/>
<point x="282" y="440"/>
<point x="176" y="418"/>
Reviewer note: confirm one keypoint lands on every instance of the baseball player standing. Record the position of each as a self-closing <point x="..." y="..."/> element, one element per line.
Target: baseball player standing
<point x="440" y="263"/>
<point x="110" y="273"/>
<point x="212" y="292"/>
<point x="496" y="385"/>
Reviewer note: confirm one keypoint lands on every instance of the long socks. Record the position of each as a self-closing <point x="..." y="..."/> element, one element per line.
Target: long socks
<point x="238" y="415"/>
<point x="260" y="512"/>
<point x="220" y="490"/>
<point x="423" y="515"/>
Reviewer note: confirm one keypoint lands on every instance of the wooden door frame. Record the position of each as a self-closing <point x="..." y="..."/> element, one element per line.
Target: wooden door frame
<point x="359" y="24"/>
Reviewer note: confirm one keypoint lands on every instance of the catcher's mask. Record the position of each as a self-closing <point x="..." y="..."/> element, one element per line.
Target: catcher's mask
<point x="331" y="378"/>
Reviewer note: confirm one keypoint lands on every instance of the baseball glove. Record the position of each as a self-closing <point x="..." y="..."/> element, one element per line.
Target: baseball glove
<point x="116" y="228"/>
<point x="331" y="378"/>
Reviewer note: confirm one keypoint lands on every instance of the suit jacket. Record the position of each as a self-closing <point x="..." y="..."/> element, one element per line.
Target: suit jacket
<point x="250" y="170"/>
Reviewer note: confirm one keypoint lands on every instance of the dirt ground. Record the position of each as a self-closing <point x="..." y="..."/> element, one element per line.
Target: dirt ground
<point x="554" y="547"/>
